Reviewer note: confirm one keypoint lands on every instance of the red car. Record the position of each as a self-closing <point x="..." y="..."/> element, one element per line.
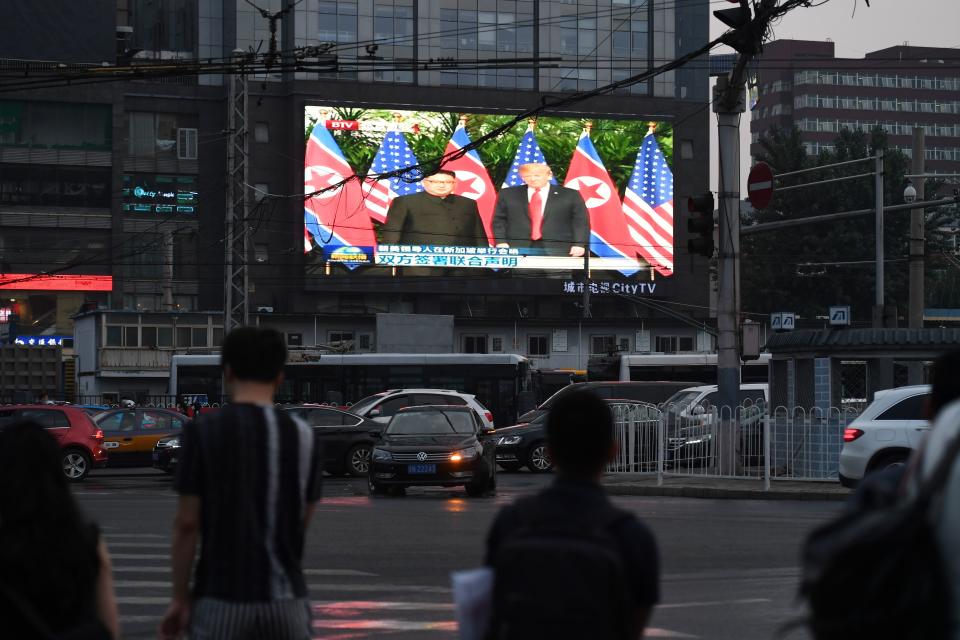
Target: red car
<point x="81" y="441"/>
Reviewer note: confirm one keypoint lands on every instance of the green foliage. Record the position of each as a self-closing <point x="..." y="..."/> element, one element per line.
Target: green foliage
<point x="797" y="269"/>
<point x="617" y="141"/>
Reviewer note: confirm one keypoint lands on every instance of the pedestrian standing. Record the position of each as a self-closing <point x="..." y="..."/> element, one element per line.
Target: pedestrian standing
<point x="55" y="575"/>
<point x="248" y="479"/>
<point x="567" y="563"/>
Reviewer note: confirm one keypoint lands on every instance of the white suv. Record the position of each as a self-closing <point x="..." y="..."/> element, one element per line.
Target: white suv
<point x="382" y="406"/>
<point x="885" y="434"/>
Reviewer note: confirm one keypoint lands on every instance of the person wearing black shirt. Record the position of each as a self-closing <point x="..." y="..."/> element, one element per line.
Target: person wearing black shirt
<point x="580" y="439"/>
<point x="436" y="216"/>
<point x="249" y="480"/>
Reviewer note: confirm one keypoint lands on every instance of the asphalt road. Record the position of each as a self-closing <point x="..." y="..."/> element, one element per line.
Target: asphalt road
<point x="381" y="567"/>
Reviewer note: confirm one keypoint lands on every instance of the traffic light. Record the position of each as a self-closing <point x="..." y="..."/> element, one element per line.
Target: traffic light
<point x="700" y="222"/>
<point x="741" y="37"/>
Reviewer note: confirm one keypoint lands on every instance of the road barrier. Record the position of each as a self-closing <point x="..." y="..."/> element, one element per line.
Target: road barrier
<point x="750" y="442"/>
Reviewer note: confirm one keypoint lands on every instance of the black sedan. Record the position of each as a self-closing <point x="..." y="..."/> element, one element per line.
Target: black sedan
<point x="346" y="437"/>
<point x="524" y="444"/>
<point x="442" y="446"/>
<point x="165" y="454"/>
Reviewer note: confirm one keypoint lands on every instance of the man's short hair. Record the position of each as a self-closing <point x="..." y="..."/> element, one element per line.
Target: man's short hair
<point x="945" y="381"/>
<point x="580" y="433"/>
<point x="443" y="172"/>
<point x="254" y="354"/>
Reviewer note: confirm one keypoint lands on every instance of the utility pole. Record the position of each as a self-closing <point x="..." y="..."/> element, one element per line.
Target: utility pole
<point x="729" y="101"/>
<point x="167" y="271"/>
<point x="878" y="309"/>
<point x="236" y="310"/>
<point x="917" y="235"/>
<point x="917" y="241"/>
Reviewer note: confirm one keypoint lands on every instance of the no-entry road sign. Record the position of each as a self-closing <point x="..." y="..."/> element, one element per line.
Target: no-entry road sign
<point x="760" y="185"/>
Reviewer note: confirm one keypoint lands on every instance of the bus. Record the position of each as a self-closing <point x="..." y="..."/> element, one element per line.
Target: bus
<point x="700" y="368"/>
<point x="501" y="382"/>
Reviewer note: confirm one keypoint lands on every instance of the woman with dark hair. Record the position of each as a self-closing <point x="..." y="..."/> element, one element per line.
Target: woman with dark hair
<point x="55" y="576"/>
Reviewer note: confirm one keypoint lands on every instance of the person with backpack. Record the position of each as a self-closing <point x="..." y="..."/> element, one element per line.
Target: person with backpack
<point x="249" y="480"/>
<point x="945" y="431"/>
<point x="567" y="563"/>
<point x="887" y="568"/>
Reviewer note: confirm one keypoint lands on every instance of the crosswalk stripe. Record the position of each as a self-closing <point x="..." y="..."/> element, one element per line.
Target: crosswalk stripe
<point x="392" y="588"/>
<point x="137" y="545"/>
<point x="713" y="603"/>
<point x="338" y="607"/>
<point x="386" y="625"/>
<point x="111" y="536"/>
<point x="140" y="556"/>
<point x="120" y="568"/>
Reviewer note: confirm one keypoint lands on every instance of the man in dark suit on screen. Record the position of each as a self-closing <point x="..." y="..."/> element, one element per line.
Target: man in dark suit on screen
<point x="435" y="216"/>
<point x="541" y="215"/>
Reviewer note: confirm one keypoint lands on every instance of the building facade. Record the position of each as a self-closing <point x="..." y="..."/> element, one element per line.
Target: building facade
<point x="125" y="180"/>
<point x="803" y="83"/>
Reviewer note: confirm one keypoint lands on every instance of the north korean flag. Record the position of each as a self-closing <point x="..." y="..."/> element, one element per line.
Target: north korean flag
<point x="473" y="181"/>
<point x="336" y="218"/>
<point x="609" y="237"/>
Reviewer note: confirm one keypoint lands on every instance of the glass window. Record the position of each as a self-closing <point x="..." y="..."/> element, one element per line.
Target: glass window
<point x="324" y="418"/>
<point x="198" y="336"/>
<point x="164" y="337"/>
<point x="602" y="344"/>
<point x="130" y="337"/>
<point x="114" y="336"/>
<point x="155" y="421"/>
<point x="394" y="404"/>
<point x="149" y="336"/>
<point x="436" y="398"/>
<point x="537" y="346"/>
<point x="907" y="409"/>
<point x="475" y="344"/>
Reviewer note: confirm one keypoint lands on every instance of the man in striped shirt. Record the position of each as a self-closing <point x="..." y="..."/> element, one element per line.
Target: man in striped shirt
<point x="248" y="479"/>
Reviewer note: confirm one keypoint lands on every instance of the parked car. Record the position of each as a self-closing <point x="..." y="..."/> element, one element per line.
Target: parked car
<point x="81" y="441"/>
<point x="525" y="444"/>
<point x="165" y="454"/>
<point x="434" y="445"/>
<point x="688" y="417"/>
<point x="653" y="392"/>
<point x="346" y="438"/>
<point x="885" y="434"/>
<point x="383" y="406"/>
<point x="130" y="434"/>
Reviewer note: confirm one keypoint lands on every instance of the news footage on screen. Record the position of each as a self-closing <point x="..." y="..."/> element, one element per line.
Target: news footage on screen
<point x="541" y="198"/>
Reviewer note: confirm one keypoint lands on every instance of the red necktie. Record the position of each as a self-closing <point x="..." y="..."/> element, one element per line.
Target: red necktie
<point x="536" y="216"/>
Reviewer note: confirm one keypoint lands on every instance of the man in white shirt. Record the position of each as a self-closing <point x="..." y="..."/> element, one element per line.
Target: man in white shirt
<point x="541" y="215"/>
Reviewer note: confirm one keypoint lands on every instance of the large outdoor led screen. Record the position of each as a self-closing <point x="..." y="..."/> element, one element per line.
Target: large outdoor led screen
<point x="540" y="197"/>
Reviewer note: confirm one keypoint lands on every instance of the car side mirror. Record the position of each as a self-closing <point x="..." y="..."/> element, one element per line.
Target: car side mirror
<point x="374" y="413"/>
<point x="376" y="435"/>
<point x="698" y="410"/>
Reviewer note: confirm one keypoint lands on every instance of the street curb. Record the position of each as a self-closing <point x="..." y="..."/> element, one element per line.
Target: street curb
<point x="717" y="493"/>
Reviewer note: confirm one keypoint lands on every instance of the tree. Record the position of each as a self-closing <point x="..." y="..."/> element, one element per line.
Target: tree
<point x="808" y="268"/>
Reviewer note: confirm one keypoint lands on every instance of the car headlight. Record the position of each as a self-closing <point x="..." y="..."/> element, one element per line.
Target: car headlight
<point x="464" y="454"/>
<point x="507" y="440"/>
<point x="169" y="444"/>
<point x="382" y="455"/>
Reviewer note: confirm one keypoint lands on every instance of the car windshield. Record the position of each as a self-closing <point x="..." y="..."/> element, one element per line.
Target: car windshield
<point x="362" y="405"/>
<point x="431" y="423"/>
<point x="680" y="401"/>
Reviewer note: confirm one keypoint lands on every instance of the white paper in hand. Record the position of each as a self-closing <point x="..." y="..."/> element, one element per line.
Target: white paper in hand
<point x="472" y="598"/>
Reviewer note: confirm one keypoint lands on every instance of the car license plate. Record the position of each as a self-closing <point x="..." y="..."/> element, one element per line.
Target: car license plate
<point x="421" y="468"/>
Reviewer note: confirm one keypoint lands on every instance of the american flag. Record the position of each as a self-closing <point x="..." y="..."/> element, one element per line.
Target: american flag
<point x="528" y="152"/>
<point x="648" y="206"/>
<point x="394" y="154"/>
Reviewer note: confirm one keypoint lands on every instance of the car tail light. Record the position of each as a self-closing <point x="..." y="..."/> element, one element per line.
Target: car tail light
<point x="98" y="435"/>
<point x="850" y="434"/>
<point x="489" y="416"/>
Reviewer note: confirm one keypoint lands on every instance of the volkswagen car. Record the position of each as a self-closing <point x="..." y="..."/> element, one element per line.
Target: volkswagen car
<point x="443" y="446"/>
